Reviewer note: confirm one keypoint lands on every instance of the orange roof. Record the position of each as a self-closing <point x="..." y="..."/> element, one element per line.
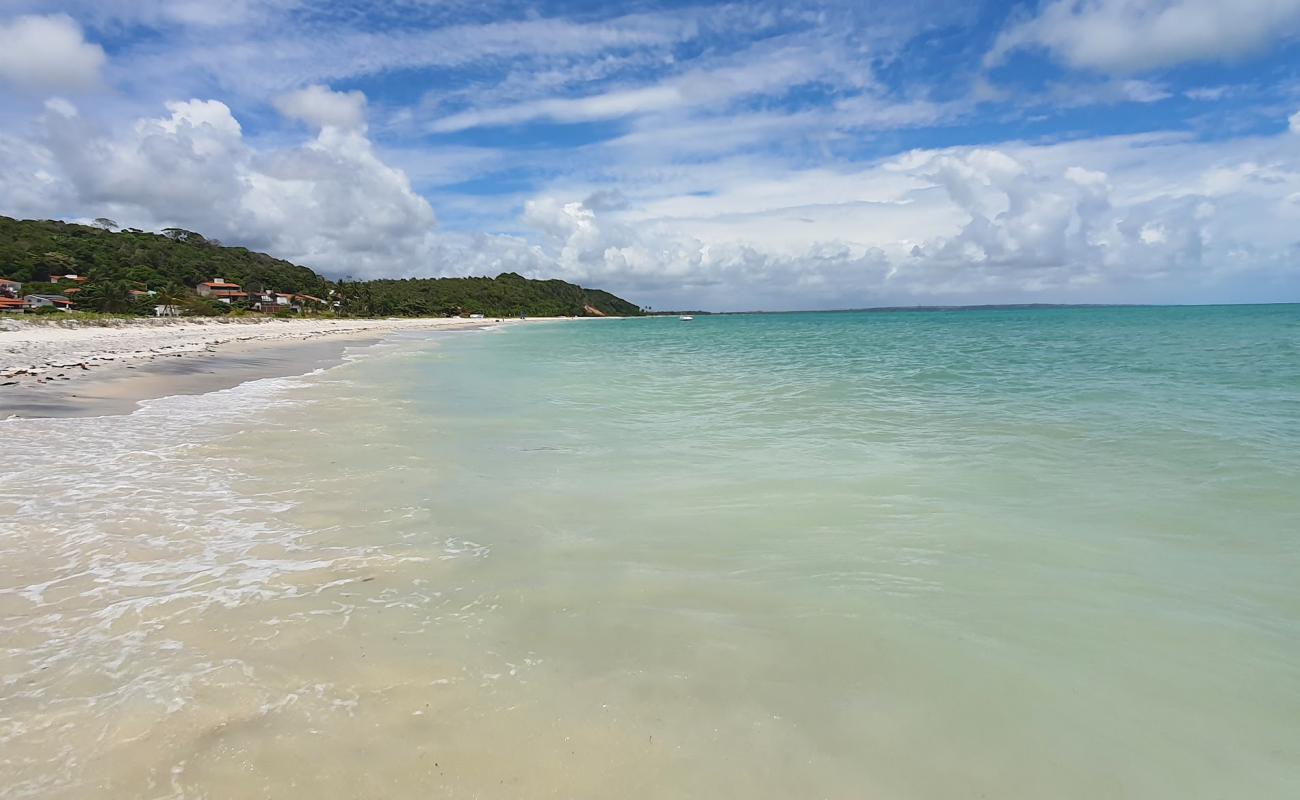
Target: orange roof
<point x="14" y="283"/>
<point x="9" y="301"/>
<point x="217" y="285"/>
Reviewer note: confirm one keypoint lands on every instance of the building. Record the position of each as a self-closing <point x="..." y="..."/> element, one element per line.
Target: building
<point x="220" y="290"/>
<point x="69" y="278"/>
<point x="11" y="290"/>
<point x="34" y="301"/>
<point x="272" y="302"/>
<point x="166" y="311"/>
<point x="12" y="304"/>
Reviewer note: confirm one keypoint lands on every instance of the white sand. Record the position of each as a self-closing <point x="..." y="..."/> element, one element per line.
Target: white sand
<point x="30" y="350"/>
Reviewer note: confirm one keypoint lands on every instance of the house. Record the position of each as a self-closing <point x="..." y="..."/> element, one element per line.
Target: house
<point x="11" y="304"/>
<point x="271" y="302"/>
<point x="220" y="290"/>
<point x="34" y="301"/>
<point x="11" y="290"/>
<point x="166" y="311"/>
<point x="69" y="278"/>
<point x="136" y="294"/>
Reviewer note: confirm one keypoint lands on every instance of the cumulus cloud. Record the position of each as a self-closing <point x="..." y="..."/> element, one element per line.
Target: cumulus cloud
<point x="321" y="107"/>
<point x="1137" y="35"/>
<point x="329" y="202"/>
<point x="48" y="53"/>
<point x="1144" y="217"/>
<point x="1030" y="228"/>
<point x="1098" y="220"/>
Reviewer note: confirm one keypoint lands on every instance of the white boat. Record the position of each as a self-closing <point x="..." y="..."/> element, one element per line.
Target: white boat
<point x="686" y="317"/>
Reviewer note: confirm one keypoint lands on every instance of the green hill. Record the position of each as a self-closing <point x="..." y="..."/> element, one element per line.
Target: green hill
<point x="506" y="295"/>
<point x="175" y="261"/>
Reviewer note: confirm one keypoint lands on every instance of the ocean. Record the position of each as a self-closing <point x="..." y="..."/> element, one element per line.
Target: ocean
<point x="918" y="555"/>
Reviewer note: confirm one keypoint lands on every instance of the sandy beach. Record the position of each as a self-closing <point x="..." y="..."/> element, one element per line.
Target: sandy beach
<point x="76" y="369"/>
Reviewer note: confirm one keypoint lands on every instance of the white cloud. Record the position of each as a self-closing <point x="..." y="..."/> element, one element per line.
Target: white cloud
<point x="1209" y="94"/>
<point x="207" y="116"/>
<point x="259" y="61"/>
<point x="1107" y="219"/>
<point x="329" y="202"/>
<point x="762" y="71"/>
<point x="320" y="107"/>
<point x="575" y="109"/>
<point x="1155" y="216"/>
<point x="43" y="53"/>
<point x="1121" y="219"/>
<point x="1293" y="122"/>
<point x="1137" y="35"/>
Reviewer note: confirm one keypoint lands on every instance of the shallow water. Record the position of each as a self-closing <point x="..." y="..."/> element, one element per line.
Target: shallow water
<point x="1018" y="554"/>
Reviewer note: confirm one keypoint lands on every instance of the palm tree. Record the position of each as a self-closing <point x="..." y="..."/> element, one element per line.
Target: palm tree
<point x="113" y="297"/>
<point x="170" y="298"/>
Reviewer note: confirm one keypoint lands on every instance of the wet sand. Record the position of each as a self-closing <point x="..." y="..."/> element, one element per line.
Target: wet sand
<point x="120" y="389"/>
<point x="88" y="371"/>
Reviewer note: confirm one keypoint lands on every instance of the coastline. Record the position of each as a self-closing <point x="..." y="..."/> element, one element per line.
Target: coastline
<point x="87" y="370"/>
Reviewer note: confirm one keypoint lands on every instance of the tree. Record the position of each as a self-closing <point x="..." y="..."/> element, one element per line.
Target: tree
<point x="53" y="263"/>
<point x="172" y="298"/>
<point x="106" y="223"/>
<point x="182" y="235"/>
<point x="113" y="297"/>
<point x="33" y="250"/>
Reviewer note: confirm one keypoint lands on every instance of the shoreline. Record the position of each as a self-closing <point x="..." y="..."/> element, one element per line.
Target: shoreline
<point x="53" y="370"/>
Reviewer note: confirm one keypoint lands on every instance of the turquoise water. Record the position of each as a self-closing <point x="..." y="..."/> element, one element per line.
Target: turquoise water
<point x="1014" y="554"/>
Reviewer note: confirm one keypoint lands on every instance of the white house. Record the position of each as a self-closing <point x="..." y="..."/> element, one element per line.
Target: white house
<point x="272" y="302"/>
<point x="34" y="301"/>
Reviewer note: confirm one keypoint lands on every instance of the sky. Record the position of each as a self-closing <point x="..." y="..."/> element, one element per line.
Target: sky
<point x="688" y="155"/>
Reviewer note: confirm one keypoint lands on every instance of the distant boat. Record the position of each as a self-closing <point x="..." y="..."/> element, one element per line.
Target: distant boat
<point x="686" y="317"/>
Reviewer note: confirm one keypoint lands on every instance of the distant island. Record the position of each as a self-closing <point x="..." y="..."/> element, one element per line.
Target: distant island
<point x="48" y="266"/>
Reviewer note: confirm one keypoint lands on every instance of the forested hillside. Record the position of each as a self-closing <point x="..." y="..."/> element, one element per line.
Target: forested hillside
<point x="173" y="262"/>
<point x="32" y="250"/>
<point x="506" y="295"/>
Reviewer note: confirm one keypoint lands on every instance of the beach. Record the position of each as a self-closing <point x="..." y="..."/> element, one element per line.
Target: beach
<point x="921" y="555"/>
<point x="59" y="369"/>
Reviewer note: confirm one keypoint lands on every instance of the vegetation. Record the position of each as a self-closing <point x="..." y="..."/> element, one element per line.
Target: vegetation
<point x="506" y="295"/>
<point x="170" y="264"/>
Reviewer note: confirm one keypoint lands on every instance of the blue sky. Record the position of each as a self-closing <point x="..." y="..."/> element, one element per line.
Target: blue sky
<point x="715" y="155"/>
